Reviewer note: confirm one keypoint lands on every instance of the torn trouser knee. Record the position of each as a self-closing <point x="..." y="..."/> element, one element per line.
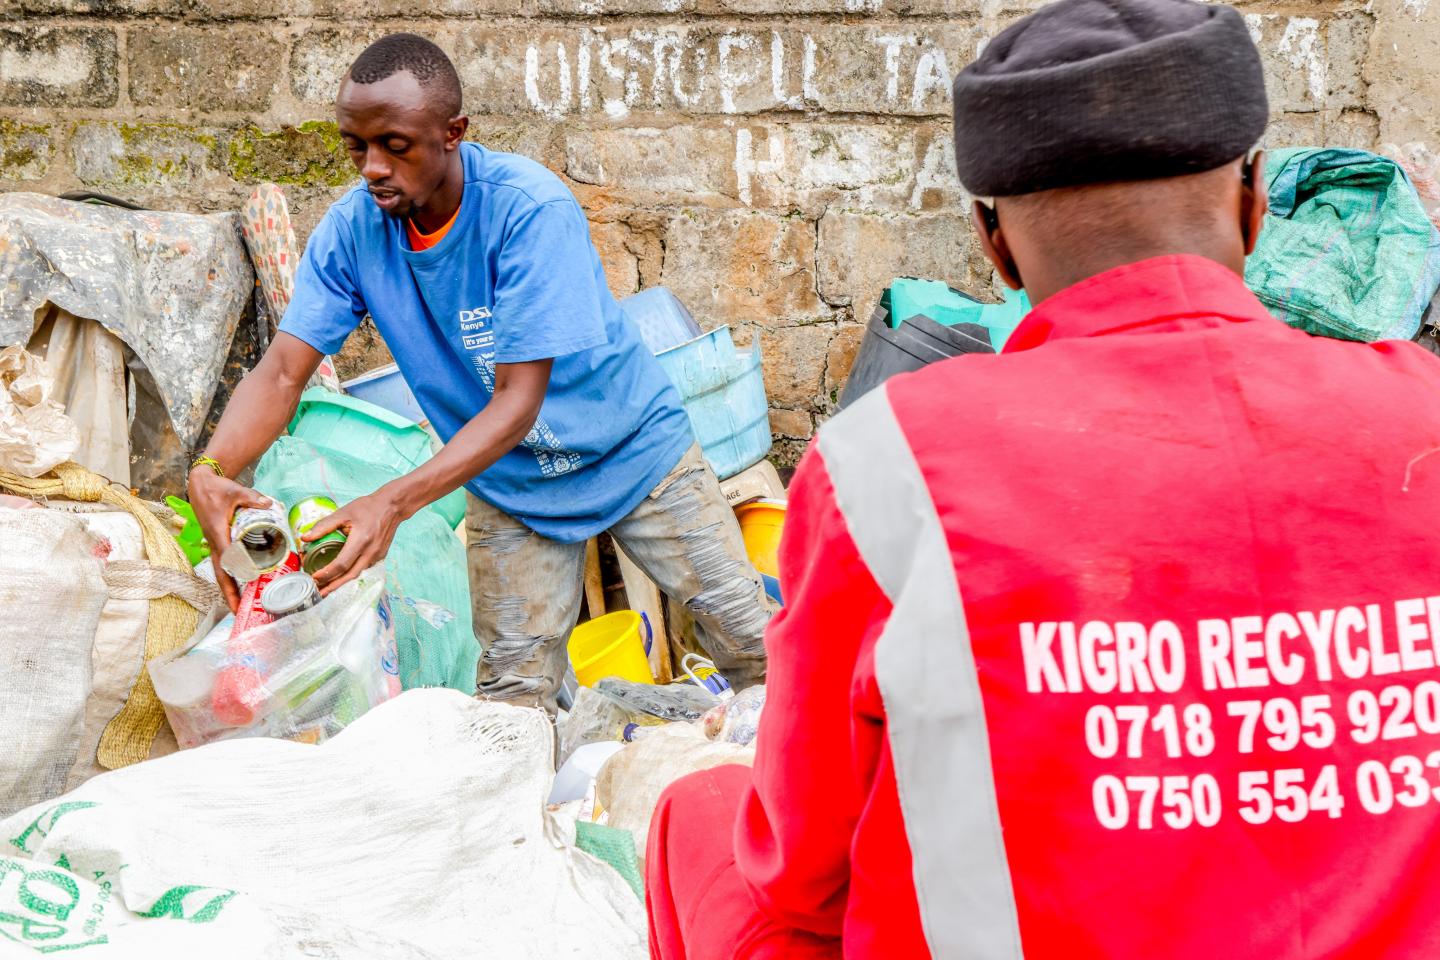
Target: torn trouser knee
<point x="730" y="606"/>
<point x="685" y="537"/>
<point x="523" y="669"/>
<point x="525" y="597"/>
<point x="731" y="616"/>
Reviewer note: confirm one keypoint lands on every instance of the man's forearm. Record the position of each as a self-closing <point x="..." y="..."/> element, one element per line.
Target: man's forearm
<point x="492" y="433"/>
<point x="485" y="439"/>
<point x="261" y="406"/>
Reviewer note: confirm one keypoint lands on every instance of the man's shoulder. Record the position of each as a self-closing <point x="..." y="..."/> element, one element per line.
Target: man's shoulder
<point x="352" y="209"/>
<point x="514" y="180"/>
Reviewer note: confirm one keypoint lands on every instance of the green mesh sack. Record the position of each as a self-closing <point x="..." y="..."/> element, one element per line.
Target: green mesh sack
<point x="426" y="563"/>
<point x="1347" y="250"/>
<point x="615" y="847"/>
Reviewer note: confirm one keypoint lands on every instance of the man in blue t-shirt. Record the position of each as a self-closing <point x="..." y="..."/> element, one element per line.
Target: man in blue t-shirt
<point x="477" y="267"/>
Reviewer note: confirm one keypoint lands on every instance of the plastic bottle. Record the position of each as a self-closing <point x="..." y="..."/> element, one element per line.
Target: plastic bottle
<point x="240" y="683"/>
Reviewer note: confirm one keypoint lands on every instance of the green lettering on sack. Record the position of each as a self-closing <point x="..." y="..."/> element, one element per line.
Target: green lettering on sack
<point x="63" y="887"/>
<point x="46" y="822"/>
<point x="50" y="897"/>
<point x="30" y="930"/>
<point x="171" y="905"/>
<point x="42" y="947"/>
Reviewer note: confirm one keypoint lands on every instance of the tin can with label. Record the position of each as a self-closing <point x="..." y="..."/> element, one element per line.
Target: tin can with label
<point x="264" y="533"/>
<point x="289" y="594"/>
<point x="303" y="517"/>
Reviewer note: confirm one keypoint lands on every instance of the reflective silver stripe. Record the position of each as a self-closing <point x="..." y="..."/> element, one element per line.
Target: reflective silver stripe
<point x="926" y="673"/>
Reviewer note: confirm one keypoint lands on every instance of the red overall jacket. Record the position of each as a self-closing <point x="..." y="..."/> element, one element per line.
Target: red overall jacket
<point x="1143" y="616"/>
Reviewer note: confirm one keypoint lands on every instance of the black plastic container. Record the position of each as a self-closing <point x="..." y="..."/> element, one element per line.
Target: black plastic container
<point x="918" y="341"/>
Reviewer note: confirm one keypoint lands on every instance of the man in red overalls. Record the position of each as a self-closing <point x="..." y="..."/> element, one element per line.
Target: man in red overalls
<point x="1121" y="644"/>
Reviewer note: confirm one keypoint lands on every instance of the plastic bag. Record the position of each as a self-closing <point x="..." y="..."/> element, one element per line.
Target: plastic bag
<point x="190" y="537"/>
<point x="87" y="364"/>
<point x="172" y="286"/>
<point x="1348" y="250"/>
<point x="736" y="720"/>
<point x="594" y="718"/>
<point x="674" y="701"/>
<point x="306" y="676"/>
<point x="426" y="561"/>
<point x="418" y="833"/>
<point x="117" y="655"/>
<point x="629" y="785"/>
<point x="35" y="433"/>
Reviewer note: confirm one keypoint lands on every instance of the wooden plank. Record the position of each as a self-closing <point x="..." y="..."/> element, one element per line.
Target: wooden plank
<point x="646" y="598"/>
<point x="594" y="586"/>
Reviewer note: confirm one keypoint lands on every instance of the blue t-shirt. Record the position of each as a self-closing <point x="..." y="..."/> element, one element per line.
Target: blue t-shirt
<point x="515" y="279"/>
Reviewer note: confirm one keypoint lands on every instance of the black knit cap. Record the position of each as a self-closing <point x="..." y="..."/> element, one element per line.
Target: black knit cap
<point x="1100" y="91"/>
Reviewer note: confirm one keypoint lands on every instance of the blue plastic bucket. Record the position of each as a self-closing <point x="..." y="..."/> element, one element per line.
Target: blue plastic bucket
<point x="385" y="387"/>
<point x="349" y="425"/>
<point x="724" y="394"/>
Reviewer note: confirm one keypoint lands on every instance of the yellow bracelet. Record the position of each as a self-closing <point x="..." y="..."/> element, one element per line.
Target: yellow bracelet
<point x="210" y="462"/>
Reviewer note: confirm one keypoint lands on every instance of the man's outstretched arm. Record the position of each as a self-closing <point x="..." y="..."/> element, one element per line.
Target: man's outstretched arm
<point x="371" y="521"/>
<point x="256" y="415"/>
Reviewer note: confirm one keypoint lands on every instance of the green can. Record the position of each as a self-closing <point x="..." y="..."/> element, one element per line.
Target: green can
<point x="303" y="517"/>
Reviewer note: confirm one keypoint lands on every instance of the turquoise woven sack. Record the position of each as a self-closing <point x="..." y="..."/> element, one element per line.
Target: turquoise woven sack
<point x="1347" y="250"/>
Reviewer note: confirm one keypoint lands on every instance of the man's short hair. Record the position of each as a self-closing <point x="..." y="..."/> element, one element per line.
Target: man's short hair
<point x="425" y="62"/>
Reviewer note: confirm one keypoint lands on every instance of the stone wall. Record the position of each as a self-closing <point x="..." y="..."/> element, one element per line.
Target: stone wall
<point x="774" y="162"/>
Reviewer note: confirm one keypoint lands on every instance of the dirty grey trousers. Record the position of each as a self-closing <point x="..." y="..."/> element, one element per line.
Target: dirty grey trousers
<point x="526" y="589"/>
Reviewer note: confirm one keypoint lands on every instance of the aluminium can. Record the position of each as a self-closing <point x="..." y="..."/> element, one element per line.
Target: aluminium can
<point x="289" y="594"/>
<point x="303" y="517"/>
<point x="264" y="532"/>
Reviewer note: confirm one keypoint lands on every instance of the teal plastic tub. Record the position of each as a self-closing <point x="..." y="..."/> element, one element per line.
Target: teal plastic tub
<point x="724" y="394"/>
<point x="909" y="297"/>
<point x="357" y="428"/>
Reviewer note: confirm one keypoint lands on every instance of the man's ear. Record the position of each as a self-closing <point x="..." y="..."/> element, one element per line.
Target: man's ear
<point x="455" y="132"/>
<point x="1254" y="202"/>
<point x="992" y="241"/>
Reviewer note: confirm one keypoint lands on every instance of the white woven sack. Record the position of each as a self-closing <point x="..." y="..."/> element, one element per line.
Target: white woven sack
<point x="118" y="654"/>
<point x="419" y="833"/>
<point x="629" y="785"/>
<point x="52" y="593"/>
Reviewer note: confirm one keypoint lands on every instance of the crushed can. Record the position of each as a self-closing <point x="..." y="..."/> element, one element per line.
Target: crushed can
<point x="264" y="533"/>
<point x="303" y="517"/>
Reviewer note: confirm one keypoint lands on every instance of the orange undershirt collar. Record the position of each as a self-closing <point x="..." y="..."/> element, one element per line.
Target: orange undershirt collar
<point x="424" y="241"/>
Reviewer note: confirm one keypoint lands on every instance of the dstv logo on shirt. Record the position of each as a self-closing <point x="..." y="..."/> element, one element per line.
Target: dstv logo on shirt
<point x="473" y="319"/>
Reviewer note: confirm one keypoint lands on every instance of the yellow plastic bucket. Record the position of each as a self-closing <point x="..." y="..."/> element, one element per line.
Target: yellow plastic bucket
<point x="609" y="646"/>
<point x="761" y="523"/>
